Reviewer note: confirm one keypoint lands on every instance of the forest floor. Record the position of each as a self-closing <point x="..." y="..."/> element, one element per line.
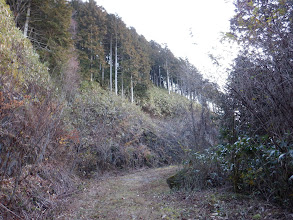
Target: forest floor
<point x="144" y="194"/>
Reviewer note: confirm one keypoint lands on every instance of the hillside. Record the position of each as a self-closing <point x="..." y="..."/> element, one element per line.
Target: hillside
<point x="83" y="97"/>
<point x="52" y="135"/>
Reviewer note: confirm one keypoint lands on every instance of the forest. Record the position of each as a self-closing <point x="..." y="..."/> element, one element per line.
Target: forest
<point x="83" y="95"/>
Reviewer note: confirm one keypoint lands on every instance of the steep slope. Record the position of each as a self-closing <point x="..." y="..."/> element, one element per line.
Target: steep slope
<point x="115" y="133"/>
<point x="55" y="128"/>
<point x="32" y="174"/>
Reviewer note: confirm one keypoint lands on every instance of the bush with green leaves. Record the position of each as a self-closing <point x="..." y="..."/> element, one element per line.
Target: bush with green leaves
<point x="201" y="170"/>
<point x="259" y="165"/>
<point x="251" y="164"/>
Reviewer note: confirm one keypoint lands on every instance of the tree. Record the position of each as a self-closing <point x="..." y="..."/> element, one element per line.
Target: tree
<point x="92" y="28"/>
<point x="19" y="9"/>
<point x="111" y="63"/>
<point x="46" y="23"/>
<point x="28" y="14"/>
<point x="260" y="83"/>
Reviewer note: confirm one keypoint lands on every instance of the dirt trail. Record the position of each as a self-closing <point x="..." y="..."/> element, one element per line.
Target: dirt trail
<point x="139" y="195"/>
<point x="145" y="195"/>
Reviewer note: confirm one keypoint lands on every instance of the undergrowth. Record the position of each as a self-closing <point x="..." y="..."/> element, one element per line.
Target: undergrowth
<point x="34" y="156"/>
<point x="255" y="165"/>
<point x="117" y="134"/>
<point x="157" y="102"/>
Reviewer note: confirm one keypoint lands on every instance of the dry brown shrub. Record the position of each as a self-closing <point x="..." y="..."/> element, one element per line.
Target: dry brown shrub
<point x="36" y="151"/>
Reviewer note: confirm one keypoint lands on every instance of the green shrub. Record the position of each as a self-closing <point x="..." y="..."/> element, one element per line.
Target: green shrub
<point x="201" y="170"/>
<point x="261" y="166"/>
<point x="252" y="165"/>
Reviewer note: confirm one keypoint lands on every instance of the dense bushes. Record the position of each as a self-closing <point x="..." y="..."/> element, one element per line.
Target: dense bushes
<point x="115" y="133"/>
<point x="256" y="110"/>
<point x="158" y="102"/>
<point x="251" y="164"/>
<point x="258" y="165"/>
<point x="32" y="132"/>
<point x="201" y="170"/>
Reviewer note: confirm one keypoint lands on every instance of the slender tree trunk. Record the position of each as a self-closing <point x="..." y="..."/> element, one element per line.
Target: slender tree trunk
<point x="116" y="68"/>
<point x="17" y="12"/>
<point x="156" y="79"/>
<point x="28" y="14"/>
<point x="100" y="69"/>
<point x="122" y="89"/>
<point x="103" y="75"/>
<point x="168" y="79"/>
<point x="193" y="125"/>
<point x="91" y="65"/>
<point x="111" y="64"/>
<point x="132" y="96"/>
<point x="202" y="125"/>
<point x="160" y="76"/>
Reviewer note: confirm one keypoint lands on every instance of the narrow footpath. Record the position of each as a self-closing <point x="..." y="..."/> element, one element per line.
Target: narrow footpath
<point x="145" y="195"/>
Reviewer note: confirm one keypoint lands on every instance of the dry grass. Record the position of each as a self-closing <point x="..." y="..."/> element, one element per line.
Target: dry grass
<point x="42" y="193"/>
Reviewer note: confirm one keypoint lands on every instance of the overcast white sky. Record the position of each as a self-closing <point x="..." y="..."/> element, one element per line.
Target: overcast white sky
<point x="170" y="21"/>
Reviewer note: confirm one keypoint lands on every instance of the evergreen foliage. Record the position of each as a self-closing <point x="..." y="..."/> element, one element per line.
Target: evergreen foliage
<point x="48" y="29"/>
<point x="137" y="59"/>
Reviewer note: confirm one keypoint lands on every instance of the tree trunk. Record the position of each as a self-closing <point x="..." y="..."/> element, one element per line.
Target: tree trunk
<point x="91" y="65"/>
<point x="28" y="14"/>
<point x="103" y="75"/>
<point x="160" y="76"/>
<point x="168" y="79"/>
<point x="132" y="96"/>
<point x="156" y="79"/>
<point x="193" y="125"/>
<point x="122" y="89"/>
<point x="111" y="64"/>
<point x="116" y="68"/>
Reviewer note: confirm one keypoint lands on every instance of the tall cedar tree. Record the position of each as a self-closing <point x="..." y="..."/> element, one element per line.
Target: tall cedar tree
<point x="48" y="28"/>
<point x="137" y="60"/>
<point x="92" y="28"/>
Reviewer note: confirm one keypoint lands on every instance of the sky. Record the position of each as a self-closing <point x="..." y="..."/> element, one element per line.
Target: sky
<point x="190" y="28"/>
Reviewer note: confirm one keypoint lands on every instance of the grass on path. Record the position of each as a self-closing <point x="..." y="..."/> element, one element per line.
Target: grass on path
<point x="145" y="195"/>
